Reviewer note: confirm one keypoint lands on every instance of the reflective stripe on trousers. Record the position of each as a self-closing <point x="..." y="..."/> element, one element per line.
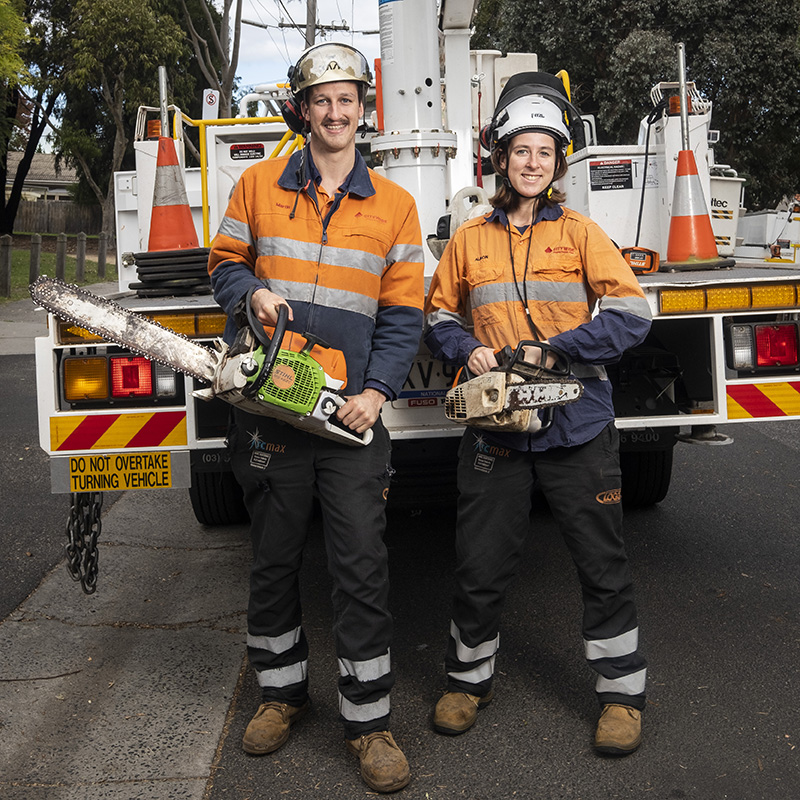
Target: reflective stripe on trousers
<point x="581" y="485"/>
<point x="278" y="468"/>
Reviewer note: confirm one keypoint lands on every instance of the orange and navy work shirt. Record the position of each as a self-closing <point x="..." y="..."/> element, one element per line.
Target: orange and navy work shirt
<point x="350" y="266"/>
<point x="582" y="297"/>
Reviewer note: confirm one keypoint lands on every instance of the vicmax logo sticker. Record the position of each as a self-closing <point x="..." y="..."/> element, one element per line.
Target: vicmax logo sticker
<point x="610" y="497"/>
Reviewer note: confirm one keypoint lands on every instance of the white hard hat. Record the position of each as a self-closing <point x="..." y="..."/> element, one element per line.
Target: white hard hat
<point x="530" y="113"/>
<point x="328" y="62"/>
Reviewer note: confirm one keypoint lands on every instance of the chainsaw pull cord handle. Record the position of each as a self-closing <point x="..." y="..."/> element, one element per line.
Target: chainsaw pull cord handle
<point x="271" y="346"/>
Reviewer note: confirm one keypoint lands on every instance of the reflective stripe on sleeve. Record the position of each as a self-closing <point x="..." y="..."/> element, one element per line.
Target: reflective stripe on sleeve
<point x="637" y="306"/>
<point x="275" y="644"/>
<point x="369" y="670"/>
<point x="234" y="229"/>
<point x="440" y="315"/>
<point x="411" y="253"/>
<point x="622" y="645"/>
<point x="283" y="676"/>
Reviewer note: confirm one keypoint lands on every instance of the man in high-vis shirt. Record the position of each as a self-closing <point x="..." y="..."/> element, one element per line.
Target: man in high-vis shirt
<point x="340" y="246"/>
<point x="535" y="270"/>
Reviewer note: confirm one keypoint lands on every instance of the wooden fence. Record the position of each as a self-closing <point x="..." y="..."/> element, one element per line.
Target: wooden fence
<point x="61" y="258"/>
<point x="57" y="216"/>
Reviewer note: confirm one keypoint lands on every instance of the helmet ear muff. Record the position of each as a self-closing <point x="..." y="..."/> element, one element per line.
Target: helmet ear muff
<point x="485" y="137"/>
<point x="293" y="115"/>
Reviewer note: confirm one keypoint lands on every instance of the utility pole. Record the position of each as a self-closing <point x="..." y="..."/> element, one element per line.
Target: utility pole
<point x="311" y="22"/>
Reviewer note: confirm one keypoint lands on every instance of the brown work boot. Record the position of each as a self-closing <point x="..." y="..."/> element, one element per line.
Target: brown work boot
<point x="456" y="712"/>
<point x="383" y="766"/>
<point x="619" y="730"/>
<point x="269" y="728"/>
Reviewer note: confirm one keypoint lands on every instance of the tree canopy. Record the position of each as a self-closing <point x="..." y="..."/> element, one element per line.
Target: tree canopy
<point x="89" y="64"/>
<point x="743" y="55"/>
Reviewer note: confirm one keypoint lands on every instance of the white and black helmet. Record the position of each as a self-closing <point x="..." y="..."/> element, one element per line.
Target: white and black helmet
<point x="531" y="113"/>
<point x="532" y="101"/>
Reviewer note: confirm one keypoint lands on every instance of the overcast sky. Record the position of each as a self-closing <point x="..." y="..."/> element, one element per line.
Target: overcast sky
<point x="267" y="53"/>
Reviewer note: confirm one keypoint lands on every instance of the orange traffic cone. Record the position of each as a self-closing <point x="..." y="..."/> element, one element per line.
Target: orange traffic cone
<point x="691" y="238"/>
<point x="171" y="225"/>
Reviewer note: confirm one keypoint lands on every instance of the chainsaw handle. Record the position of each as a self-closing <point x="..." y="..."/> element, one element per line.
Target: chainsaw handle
<point x="271" y="346"/>
<point x="515" y="362"/>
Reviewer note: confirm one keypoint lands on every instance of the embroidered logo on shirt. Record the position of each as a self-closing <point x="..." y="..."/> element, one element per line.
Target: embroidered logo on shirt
<point x="372" y="217"/>
<point x="609" y="498"/>
<point x="480" y="258"/>
<point x="568" y="250"/>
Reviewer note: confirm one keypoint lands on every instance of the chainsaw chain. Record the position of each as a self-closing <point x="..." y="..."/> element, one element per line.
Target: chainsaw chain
<point x="542" y="379"/>
<point x="83" y="531"/>
<point x="110" y="304"/>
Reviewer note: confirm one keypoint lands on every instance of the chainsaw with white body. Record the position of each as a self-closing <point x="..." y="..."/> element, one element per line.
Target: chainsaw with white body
<point x="509" y="396"/>
<point x="256" y="373"/>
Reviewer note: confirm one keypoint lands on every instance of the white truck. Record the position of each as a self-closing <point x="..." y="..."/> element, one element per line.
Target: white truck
<point x="724" y="341"/>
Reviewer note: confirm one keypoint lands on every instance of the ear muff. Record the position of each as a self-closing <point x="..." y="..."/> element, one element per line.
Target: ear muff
<point x="293" y="116"/>
<point x="485" y="137"/>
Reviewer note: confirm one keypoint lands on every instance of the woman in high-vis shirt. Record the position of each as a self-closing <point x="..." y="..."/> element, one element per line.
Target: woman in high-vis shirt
<point x="535" y="270"/>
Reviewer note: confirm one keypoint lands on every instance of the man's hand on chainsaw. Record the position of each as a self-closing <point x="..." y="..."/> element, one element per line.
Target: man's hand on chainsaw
<point x="481" y="360"/>
<point x="265" y="306"/>
<point x="361" y="411"/>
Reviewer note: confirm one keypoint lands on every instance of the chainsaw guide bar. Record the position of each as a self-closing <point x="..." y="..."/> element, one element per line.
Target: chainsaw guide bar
<point x="139" y="334"/>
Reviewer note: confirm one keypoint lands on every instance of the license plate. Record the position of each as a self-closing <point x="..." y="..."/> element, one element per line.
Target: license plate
<point x="120" y="472"/>
<point x="427" y="383"/>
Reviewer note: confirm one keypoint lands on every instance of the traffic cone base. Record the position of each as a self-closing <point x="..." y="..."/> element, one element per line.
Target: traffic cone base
<point x="171" y="223"/>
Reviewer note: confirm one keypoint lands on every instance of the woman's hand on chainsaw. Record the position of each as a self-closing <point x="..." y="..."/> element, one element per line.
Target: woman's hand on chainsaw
<point x="481" y="360"/>
<point x="539" y="356"/>
<point x="361" y="411"/>
<point x="265" y="305"/>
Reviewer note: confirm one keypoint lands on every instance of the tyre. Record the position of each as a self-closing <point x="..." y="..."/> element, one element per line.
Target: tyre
<point x="217" y="499"/>
<point x="645" y="476"/>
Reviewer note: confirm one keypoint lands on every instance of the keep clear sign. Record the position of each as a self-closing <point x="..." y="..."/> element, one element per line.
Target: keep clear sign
<point x="122" y="472"/>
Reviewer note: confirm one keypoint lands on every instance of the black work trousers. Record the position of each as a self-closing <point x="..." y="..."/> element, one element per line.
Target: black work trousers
<point x="280" y="469"/>
<point x="582" y="487"/>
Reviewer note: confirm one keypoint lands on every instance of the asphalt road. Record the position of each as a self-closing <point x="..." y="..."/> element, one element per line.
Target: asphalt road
<point x="717" y="570"/>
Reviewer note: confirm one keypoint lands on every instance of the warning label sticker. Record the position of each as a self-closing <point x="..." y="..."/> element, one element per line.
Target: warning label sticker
<point x="611" y="175"/>
<point x="123" y="472"/>
<point x="622" y="173"/>
<point x="247" y="152"/>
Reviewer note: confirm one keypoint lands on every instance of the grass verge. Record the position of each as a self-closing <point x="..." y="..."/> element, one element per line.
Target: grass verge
<point x="20" y="272"/>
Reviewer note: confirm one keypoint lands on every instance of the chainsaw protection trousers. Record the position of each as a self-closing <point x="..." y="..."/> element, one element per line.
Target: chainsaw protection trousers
<point x="280" y="469"/>
<point x="582" y="487"/>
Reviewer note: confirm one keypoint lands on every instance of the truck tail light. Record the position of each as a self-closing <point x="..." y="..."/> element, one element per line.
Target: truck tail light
<point x="85" y="379"/>
<point x="776" y="345"/>
<point x="166" y="381"/>
<point x="754" y="345"/>
<point x="131" y="376"/>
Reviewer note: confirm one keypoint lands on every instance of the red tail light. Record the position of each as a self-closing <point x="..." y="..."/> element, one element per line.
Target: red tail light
<point x="776" y="345"/>
<point x="131" y="377"/>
